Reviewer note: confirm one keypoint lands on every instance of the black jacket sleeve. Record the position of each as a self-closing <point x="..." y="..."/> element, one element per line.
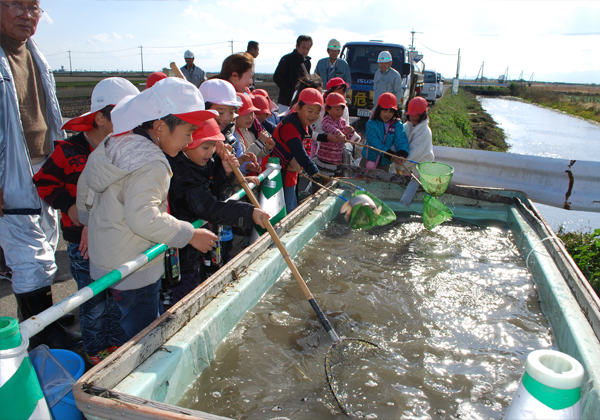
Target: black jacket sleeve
<point x="302" y="158"/>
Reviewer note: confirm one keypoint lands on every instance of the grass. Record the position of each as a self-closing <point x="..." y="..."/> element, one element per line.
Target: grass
<point x="460" y="121"/>
<point x="584" y="248"/>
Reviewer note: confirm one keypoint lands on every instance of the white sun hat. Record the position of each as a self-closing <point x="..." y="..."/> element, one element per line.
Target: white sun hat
<point x="384" y="57"/>
<point x="220" y="92"/>
<point x="188" y="54"/>
<point x="108" y="91"/>
<point x="168" y="96"/>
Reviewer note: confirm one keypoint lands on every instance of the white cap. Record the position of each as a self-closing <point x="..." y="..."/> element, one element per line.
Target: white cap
<point x="334" y="44"/>
<point x="107" y="92"/>
<point x="188" y="54"/>
<point x="168" y="96"/>
<point x="384" y="57"/>
<point x="221" y="92"/>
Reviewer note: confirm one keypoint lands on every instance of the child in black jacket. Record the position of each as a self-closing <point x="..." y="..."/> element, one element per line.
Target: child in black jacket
<point x="199" y="174"/>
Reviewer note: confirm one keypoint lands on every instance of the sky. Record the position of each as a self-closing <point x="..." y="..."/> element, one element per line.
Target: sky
<point x="557" y="41"/>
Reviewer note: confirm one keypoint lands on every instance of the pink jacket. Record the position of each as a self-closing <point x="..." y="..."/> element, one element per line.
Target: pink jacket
<point x="332" y="152"/>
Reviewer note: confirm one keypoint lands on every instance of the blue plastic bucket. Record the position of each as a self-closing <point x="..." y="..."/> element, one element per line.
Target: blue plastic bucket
<point x="66" y="409"/>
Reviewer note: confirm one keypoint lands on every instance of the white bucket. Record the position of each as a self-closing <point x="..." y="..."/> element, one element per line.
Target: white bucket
<point x="549" y="389"/>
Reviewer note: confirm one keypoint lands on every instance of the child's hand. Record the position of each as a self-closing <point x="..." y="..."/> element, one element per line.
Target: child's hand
<point x="83" y="244"/>
<point x="252" y="180"/>
<point x="294" y="166"/>
<point x="203" y="240"/>
<point x="247" y="157"/>
<point x="398" y="160"/>
<point x="266" y="139"/>
<point x="221" y="147"/>
<point x="336" y="138"/>
<point x="228" y="161"/>
<point x="253" y="167"/>
<point x="349" y="130"/>
<point x="258" y="216"/>
<point x="73" y="215"/>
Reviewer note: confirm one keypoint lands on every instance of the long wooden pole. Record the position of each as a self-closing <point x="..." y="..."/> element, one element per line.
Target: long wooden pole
<point x="286" y="256"/>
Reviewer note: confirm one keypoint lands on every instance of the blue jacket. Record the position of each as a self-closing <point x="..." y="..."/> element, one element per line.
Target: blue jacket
<point x="341" y="69"/>
<point x="375" y="138"/>
<point x="16" y="173"/>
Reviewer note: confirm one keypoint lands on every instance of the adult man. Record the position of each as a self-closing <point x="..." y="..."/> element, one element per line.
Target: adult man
<point x="30" y="119"/>
<point x="387" y="79"/>
<point x="291" y="67"/>
<point x="252" y="48"/>
<point x="328" y="68"/>
<point x="191" y="72"/>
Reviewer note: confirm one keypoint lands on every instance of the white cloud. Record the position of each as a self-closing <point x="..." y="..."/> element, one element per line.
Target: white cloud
<point x="129" y="36"/>
<point x="105" y="38"/>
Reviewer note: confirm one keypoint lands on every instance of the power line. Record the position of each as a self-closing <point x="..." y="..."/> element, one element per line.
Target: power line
<point x="437" y="52"/>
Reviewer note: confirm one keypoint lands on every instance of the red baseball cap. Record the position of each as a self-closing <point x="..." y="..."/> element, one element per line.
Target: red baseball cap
<point x="247" y="106"/>
<point x="262" y="104"/>
<point x="155" y="77"/>
<point x="336" y="81"/>
<point x="388" y="100"/>
<point x="261" y="92"/>
<point x="311" y="96"/>
<point x="208" y="131"/>
<point x="417" y="106"/>
<point x="335" y="99"/>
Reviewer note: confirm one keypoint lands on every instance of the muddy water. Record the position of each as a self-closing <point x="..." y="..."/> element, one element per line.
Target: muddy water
<point x="537" y="131"/>
<point x="454" y="310"/>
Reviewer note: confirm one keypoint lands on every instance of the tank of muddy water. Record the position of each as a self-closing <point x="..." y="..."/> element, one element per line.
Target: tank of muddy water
<point x="454" y="310"/>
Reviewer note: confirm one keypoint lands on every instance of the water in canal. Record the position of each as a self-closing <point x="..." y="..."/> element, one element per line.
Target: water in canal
<point x="537" y="131"/>
<point x="455" y="311"/>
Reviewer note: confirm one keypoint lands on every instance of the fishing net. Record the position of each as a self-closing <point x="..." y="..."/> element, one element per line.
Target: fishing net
<point x="364" y="217"/>
<point x="435" y="177"/>
<point x="341" y="356"/>
<point x="434" y="212"/>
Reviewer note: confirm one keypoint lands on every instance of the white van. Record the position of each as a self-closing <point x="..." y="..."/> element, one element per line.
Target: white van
<point x="430" y="86"/>
<point x="440" y="85"/>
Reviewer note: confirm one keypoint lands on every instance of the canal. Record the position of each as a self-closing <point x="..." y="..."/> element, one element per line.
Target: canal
<point x="537" y="131"/>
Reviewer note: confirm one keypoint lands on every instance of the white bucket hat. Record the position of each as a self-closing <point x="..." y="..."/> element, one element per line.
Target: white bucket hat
<point x="107" y="92"/>
<point x="220" y="92"/>
<point x="188" y="54"/>
<point x="168" y="96"/>
<point x="384" y="57"/>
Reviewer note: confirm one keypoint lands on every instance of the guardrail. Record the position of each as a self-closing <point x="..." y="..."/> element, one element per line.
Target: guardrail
<point x="563" y="183"/>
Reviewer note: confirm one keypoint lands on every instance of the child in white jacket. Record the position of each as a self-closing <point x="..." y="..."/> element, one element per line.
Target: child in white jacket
<point x="419" y="135"/>
<point x="122" y="193"/>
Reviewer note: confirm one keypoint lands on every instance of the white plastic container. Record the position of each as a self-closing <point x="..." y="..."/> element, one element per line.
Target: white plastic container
<point x="549" y="389"/>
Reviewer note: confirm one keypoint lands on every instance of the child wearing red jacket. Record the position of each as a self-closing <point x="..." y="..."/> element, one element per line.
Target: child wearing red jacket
<point x="56" y="182"/>
<point x="289" y="135"/>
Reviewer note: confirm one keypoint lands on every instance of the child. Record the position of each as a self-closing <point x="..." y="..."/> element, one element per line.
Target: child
<point x="123" y="190"/>
<point x="220" y="96"/>
<point x="384" y="132"/>
<point x="198" y="176"/>
<point x="329" y="155"/>
<point x="274" y="117"/>
<point x="261" y="146"/>
<point x="419" y="134"/>
<point x="263" y="113"/>
<point x="57" y="185"/>
<point x="289" y="136"/>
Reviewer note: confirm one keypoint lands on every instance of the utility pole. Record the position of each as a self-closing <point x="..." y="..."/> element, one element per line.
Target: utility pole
<point x="231" y="46"/>
<point x="70" y="65"/>
<point x="482" y="71"/>
<point x="458" y="64"/>
<point x="412" y="44"/>
<point x="142" y="58"/>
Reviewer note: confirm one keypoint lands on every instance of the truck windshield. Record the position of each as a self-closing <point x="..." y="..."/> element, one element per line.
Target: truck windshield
<point x="430" y="77"/>
<point x="363" y="58"/>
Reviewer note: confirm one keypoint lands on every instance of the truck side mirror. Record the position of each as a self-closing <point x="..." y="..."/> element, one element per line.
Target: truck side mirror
<point x="405" y="69"/>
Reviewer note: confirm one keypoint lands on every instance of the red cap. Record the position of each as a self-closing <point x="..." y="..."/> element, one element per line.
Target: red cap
<point x="417" y="106"/>
<point x="261" y="92"/>
<point x="336" y="81"/>
<point x="262" y="104"/>
<point x="208" y="131"/>
<point x="249" y="92"/>
<point x="247" y="106"/>
<point x="388" y="100"/>
<point x="155" y="77"/>
<point x="311" y="96"/>
<point x="335" y="99"/>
